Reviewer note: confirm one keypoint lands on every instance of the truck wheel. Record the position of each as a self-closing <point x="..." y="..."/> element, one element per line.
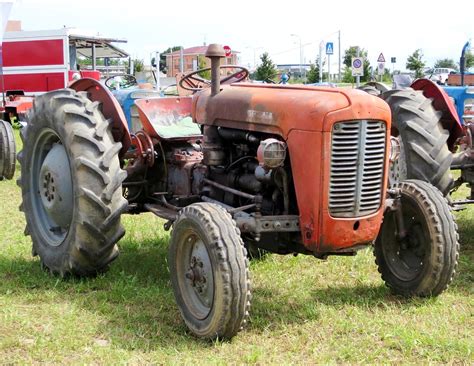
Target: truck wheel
<point x="209" y="271"/>
<point x="425" y="154"/>
<point x="71" y="184"/>
<point x="7" y="151"/>
<point x="424" y="262"/>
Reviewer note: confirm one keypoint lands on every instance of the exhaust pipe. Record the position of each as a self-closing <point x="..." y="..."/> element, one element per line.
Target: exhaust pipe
<point x="215" y="52"/>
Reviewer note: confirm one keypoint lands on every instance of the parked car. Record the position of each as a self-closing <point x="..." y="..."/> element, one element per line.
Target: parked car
<point x="440" y="75"/>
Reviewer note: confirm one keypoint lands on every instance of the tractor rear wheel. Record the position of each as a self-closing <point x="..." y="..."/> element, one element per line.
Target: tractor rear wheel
<point x="424" y="153"/>
<point x="71" y="184"/>
<point x="209" y="271"/>
<point x="7" y="151"/>
<point x="424" y="260"/>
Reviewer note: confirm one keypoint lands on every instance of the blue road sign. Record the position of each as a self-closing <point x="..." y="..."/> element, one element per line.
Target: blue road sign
<point x="357" y="63"/>
<point x="330" y="48"/>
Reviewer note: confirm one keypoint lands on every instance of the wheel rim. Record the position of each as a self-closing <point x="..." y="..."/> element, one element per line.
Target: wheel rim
<point x="406" y="257"/>
<point x="51" y="188"/>
<point x="196" y="278"/>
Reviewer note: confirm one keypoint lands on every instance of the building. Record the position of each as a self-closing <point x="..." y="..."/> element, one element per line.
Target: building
<point x="193" y="57"/>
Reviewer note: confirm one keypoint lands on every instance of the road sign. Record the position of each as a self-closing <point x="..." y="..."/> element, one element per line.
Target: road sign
<point x="357" y="66"/>
<point x="393" y="60"/>
<point x="227" y="51"/>
<point x="329" y="48"/>
<point x="381" y="58"/>
<point x="380" y="68"/>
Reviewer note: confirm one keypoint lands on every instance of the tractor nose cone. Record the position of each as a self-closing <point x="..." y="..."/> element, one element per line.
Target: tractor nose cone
<point x="55" y="186"/>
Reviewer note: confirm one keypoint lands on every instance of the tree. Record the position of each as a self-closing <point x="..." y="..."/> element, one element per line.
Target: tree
<point x="415" y="63"/>
<point x="313" y="73"/>
<point x="348" y="55"/>
<point x="163" y="57"/>
<point x="469" y="60"/>
<point x="446" y="62"/>
<point x="266" y="70"/>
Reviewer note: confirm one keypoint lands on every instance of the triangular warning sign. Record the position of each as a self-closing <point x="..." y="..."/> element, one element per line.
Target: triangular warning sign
<point x="381" y="58"/>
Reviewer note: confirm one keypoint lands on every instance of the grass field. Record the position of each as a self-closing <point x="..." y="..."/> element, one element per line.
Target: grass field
<point x="304" y="311"/>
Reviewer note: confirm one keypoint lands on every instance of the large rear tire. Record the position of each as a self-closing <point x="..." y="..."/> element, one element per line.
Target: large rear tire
<point x="71" y="184"/>
<point x="7" y="151"/>
<point x="425" y="154"/>
<point x="424" y="262"/>
<point x="209" y="271"/>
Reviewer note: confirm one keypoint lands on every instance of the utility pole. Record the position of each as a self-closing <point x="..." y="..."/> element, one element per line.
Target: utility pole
<point x="321" y="61"/>
<point x="358" y="77"/>
<point x="339" y="51"/>
<point x="181" y="59"/>
<point x="301" y="54"/>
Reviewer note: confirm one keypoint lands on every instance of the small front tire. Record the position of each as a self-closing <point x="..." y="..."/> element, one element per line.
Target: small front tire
<point x="423" y="263"/>
<point x="209" y="271"/>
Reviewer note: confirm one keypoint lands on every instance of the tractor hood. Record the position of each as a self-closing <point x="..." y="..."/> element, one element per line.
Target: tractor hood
<point x="279" y="109"/>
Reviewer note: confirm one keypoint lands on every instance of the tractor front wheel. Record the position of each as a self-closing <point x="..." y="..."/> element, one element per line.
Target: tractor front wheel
<point x="71" y="184"/>
<point x="420" y="259"/>
<point x="209" y="271"/>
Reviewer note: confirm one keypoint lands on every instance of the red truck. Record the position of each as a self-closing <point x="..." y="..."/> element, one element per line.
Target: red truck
<point x="35" y="62"/>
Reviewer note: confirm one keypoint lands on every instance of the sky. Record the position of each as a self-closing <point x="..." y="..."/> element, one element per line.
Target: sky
<point x="395" y="28"/>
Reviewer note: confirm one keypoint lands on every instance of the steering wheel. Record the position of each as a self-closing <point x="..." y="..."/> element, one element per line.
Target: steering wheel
<point x="194" y="82"/>
<point x="126" y="81"/>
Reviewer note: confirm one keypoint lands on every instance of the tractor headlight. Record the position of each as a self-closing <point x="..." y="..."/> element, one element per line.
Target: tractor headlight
<point x="271" y="153"/>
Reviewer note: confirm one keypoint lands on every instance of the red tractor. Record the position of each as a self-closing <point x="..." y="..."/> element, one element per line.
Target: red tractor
<point x="235" y="167"/>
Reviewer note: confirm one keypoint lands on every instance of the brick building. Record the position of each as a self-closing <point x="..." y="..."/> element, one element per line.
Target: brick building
<point x="192" y="57"/>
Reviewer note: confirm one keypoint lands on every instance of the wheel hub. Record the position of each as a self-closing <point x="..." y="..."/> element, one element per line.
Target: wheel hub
<point x="199" y="273"/>
<point x="55" y="186"/>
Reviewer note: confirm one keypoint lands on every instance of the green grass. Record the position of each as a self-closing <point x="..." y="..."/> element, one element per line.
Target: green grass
<point x="304" y="311"/>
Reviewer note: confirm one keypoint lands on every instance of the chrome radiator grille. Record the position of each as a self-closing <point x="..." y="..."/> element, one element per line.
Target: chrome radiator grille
<point x="357" y="168"/>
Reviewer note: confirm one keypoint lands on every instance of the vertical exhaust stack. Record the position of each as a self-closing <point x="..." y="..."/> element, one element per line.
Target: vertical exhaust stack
<point x="215" y="52"/>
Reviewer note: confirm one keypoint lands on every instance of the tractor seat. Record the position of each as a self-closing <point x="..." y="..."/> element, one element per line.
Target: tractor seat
<point x="168" y="118"/>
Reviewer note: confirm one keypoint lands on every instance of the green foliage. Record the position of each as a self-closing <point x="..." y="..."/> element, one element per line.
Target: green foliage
<point x="98" y="61"/>
<point x="266" y="70"/>
<point x="202" y="65"/>
<point x="469" y="60"/>
<point x="313" y="73"/>
<point x="138" y="65"/>
<point x="163" y="57"/>
<point x="347" y="60"/>
<point x="446" y="62"/>
<point x="415" y="63"/>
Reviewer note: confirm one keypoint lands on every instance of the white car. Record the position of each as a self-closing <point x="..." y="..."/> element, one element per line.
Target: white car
<point x="440" y="74"/>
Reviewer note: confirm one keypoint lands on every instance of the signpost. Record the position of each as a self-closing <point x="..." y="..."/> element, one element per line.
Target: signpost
<point x="329" y="52"/>
<point x="381" y="65"/>
<point x="357" y="66"/>
<point x="228" y="52"/>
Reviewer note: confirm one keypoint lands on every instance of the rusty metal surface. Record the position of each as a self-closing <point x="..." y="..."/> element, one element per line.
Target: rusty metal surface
<point x="163" y="111"/>
<point x="279" y="109"/>
<point x="443" y="103"/>
<point x="304" y="117"/>
<point x="110" y="109"/>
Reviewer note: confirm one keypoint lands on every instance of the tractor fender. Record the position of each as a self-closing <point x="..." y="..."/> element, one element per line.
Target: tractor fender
<point x="379" y="86"/>
<point x="111" y="109"/>
<point x="443" y="103"/>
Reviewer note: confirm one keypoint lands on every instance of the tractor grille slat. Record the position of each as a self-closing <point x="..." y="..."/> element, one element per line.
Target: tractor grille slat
<point x="357" y="168"/>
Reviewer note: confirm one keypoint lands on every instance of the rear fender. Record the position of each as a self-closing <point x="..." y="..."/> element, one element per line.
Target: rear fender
<point x="111" y="109"/>
<point x="442" y="103"/>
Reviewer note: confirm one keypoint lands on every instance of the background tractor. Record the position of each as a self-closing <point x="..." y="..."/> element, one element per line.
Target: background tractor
<point x="235" y="166"/>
